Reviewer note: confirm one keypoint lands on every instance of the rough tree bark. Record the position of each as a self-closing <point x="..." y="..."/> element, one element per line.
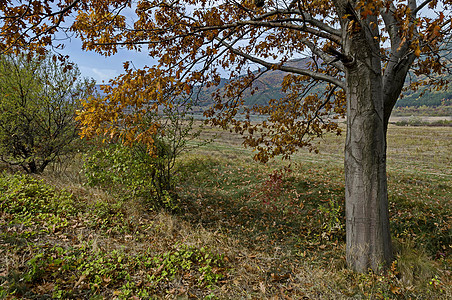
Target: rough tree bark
<point x="367" y="221"/>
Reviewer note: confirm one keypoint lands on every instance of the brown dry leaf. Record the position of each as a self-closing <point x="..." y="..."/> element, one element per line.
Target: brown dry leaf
<point x="248" y="267"/>
<point x="276" y="277"/>
<point x="83" y="277"/>
<point x="159" y="269"/>
<point x="395" y="289"/>
<point x="46" y="287"/>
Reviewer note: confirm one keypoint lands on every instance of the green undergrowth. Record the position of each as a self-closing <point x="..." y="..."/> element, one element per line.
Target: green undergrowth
<point x="80" y="271"/>
<point x="62" y="244"/>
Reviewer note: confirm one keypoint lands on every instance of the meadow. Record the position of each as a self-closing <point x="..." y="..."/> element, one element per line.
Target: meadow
<point x="242" y="229"/>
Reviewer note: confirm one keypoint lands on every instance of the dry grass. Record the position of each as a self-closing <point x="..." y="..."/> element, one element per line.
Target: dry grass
<point x="278" y="235"/>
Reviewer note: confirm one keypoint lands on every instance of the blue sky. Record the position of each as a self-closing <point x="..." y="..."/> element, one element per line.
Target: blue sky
<point x="102" y="68"/>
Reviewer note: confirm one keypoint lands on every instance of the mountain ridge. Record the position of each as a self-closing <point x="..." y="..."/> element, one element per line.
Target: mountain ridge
<point x="269" y="87"/>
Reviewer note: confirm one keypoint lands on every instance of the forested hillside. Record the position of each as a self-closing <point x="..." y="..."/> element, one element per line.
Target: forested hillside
<point x="269" y="87"/>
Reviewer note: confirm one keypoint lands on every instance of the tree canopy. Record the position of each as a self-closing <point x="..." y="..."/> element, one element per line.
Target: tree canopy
<point x="196" y="42"/>
<point x="361" y="49"/>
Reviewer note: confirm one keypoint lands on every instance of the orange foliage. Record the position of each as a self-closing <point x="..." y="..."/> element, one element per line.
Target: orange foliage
<point x="197" y="41"/>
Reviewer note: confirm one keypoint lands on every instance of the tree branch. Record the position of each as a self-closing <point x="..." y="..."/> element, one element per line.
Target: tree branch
<point x="306" y="17"/>
<point x="304" y="28"/>
<point x="268" y="65"/>
<point x="420" y="6"/>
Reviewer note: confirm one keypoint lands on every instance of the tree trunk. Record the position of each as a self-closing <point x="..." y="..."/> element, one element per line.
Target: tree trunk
<point x="32" y="168"/>
<point x="367" y="220"/>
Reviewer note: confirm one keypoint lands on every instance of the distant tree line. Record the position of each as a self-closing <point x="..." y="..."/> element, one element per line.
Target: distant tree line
<point x="429" y="98"/>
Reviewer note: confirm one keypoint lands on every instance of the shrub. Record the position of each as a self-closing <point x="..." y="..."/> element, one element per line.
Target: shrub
<point x="130" y="172"/>
<point x="38" y="100"/>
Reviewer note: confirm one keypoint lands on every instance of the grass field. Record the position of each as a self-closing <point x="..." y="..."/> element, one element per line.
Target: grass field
<point x="243" y="230"/>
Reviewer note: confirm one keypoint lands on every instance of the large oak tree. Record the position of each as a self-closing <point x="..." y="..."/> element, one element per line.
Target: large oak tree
<point x="361" y="50"/>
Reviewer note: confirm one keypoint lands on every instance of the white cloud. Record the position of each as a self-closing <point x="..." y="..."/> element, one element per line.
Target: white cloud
<point x="98" y="74"/>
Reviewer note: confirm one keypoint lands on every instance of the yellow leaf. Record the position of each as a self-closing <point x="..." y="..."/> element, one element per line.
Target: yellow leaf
<point x="417" y="52"/>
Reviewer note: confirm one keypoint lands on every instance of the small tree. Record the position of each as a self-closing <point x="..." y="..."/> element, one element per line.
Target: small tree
<point x="38" y="99"/>
<point x="131" y="168"/>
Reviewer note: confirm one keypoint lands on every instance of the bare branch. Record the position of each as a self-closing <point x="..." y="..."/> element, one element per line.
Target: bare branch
<point x="322" y="54"/>
<point x="306" y="17"/>
<point x="280" y="24"/>
<point x="421" y="6"/>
